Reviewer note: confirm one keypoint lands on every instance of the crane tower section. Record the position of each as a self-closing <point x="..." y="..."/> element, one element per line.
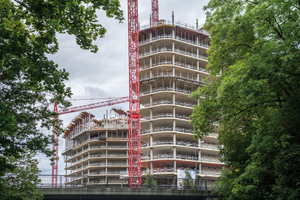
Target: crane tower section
<point x="55" y="149"/>
<point x="134" y="97"/>
<point x="155" y="16"/>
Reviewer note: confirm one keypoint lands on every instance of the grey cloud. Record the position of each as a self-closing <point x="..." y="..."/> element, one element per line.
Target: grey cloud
<point x="94" y="91"/>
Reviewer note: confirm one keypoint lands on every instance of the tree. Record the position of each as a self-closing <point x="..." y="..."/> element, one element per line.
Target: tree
<point x="150" y="182"/>
<point x="188" y="181"/>
<point x="255" y="100"/>
<point x="27" y="33"/>
<point x="21" y="182"/>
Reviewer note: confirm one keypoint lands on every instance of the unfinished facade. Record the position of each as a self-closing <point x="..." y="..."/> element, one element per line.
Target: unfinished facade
<point x="172" y="65"/>
<point x="96" y="151"/>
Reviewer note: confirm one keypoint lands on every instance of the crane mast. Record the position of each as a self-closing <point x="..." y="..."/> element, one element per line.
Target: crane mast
<point x="155" y="15"/>
<point x="55" y="149"/>
<point x="134" y="97"/>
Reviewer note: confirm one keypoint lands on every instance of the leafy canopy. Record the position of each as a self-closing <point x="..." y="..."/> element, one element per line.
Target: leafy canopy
<point x="150" y="182"/>
<point x="28" y="31"/>
<point x="21" y="182"/>
<point x="256" y="47"/>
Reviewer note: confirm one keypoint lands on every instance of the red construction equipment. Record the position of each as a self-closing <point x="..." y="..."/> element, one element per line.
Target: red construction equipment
<point x="94" y="105"/>
<point x="134" y="97"/>
<point x="155" y="15"/>
<point x="55" y="148"/>
<point x="134" y="94"/>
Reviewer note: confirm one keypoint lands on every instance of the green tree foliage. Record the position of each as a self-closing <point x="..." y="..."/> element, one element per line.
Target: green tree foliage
<point x="255" y="100"/>
<point x="21" y="182"/>
<point x="188" y="181"/>
<point x="150" y="182"/>
<point x="28" y="31"/>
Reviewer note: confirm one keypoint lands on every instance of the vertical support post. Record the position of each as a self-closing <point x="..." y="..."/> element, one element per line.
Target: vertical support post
<point x="172" y="17"/>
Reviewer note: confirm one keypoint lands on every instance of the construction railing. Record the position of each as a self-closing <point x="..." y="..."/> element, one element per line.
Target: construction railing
<point x="162" y="102"/>
<point x="67" y="181"/>
<point x="179" y="51"/>
<point x="163" y="89"/>
<point x="184" y="39"/>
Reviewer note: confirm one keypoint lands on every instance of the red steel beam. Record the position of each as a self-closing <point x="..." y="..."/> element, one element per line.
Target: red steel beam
<point x="94" y="105"/>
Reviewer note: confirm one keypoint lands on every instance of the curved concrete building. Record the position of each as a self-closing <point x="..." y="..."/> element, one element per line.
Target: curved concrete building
<point x="172" y="65"/>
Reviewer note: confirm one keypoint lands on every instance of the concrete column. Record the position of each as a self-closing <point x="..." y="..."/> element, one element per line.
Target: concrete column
<point x="150" y="36"/>
<point x="173" y="18"/>
<point x="174" y="100"/>
<point x="174" y="85"/>
<point x="106" y="166"/>
<point x="199" y="154"/>
<point x="175" y="169"/>
<point x="173" y="59"/>
<point x="151" y="140"/>
<point x="151" y="88"/>
<point x="151" y="100"/>
<point x="151" y="167"/>
<point x="197" y="40"/>
<point x="151" y="127"/>
<point x="151" y="113"/>
<point x="200" y="168"/>
<point x="173" y="46"/>
<point x="151" y="153"/>
<point x="151" y="63"/>
<point x="174" y="152"/>
<point x="174" y="111"/>
<point x="174" y="138"/>
<point x="173" y="33"/>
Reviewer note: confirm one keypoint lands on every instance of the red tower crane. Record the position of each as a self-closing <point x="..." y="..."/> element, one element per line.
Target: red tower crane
<point x="134" y="97"/>
<point x="76" y="109"/>
<point x="55" y="148"/>
<point x="155" y="15"/>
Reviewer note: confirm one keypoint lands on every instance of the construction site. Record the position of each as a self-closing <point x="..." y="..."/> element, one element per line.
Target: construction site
<point x="167" y="62"/>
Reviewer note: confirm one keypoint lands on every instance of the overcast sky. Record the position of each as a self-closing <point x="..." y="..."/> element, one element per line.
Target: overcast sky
<point x="105" y="73"/>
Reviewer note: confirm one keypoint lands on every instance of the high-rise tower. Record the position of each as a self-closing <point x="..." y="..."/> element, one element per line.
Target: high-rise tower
<point x="172" y="65"/>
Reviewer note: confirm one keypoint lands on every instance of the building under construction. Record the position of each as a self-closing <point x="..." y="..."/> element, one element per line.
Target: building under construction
<point x="172" y="65"/>
<point x="96" y="150"/>
<point x="172" y="61"/>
